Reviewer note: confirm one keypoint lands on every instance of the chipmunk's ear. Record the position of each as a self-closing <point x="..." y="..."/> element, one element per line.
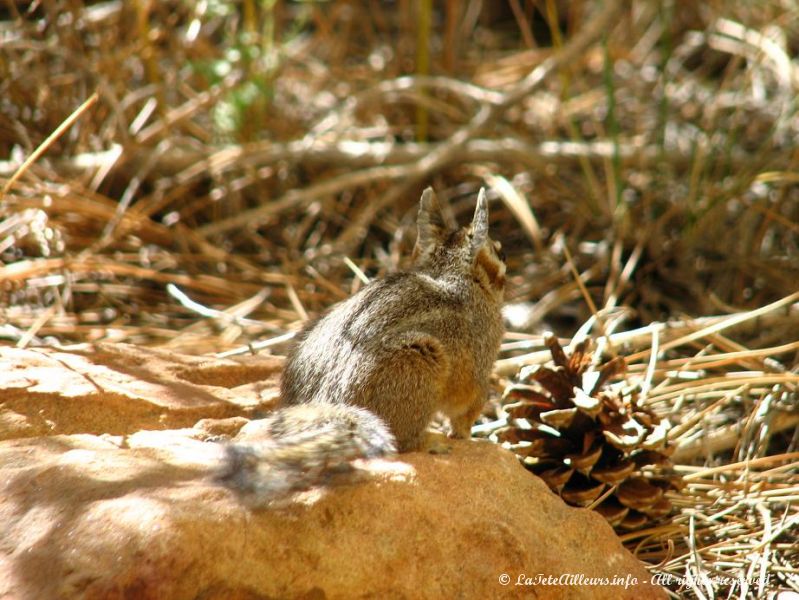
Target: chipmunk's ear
<point x="479" y="227"/>
<point x="430" y="223"/>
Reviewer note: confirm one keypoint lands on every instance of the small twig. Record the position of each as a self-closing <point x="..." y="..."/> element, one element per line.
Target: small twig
<point x="255" y="346"/>
<point x="724" y="323"/>
<point x="205" y="311"/>
<point x="726" y="438"/>
<point x="42" y="148"/>
<point x="356" y="270"/>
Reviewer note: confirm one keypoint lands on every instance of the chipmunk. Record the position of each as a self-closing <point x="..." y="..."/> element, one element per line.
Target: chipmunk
<point x="366" y="379"/>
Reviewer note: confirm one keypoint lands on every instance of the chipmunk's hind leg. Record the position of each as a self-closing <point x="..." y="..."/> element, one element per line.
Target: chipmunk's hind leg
<point x="413" y="372"/>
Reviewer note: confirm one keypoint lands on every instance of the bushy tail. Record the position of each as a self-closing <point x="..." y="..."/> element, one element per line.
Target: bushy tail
<point x="298" y="447"/>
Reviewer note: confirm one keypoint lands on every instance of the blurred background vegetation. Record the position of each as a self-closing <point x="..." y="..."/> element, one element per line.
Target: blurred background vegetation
<point x="246" y="164"/>
<point x="249" y="145"/>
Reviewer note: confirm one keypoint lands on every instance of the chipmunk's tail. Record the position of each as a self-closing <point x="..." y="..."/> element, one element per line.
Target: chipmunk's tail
<point x="298" y="447"/>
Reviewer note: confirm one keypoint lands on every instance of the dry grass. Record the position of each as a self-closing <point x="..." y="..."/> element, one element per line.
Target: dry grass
<point x="245" y="164"/>
<point x="735" y="429"/>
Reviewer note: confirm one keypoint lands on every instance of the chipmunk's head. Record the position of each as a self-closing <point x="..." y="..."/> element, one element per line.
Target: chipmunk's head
<point x="441" y="249"/>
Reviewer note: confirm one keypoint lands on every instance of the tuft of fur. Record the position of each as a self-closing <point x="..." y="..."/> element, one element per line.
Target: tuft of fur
<point x="367" y="377"/>
<point x="298" y="447"/>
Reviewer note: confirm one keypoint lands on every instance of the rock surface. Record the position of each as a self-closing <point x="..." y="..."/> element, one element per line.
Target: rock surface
<point x="121" y="388"/>
<point x="135" y="513"/>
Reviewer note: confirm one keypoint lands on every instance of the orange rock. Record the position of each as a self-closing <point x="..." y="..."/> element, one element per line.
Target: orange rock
<point x="135" y="513"/>
<point x="121" y="388"/>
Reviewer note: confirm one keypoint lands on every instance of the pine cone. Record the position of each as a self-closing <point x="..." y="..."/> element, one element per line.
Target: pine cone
<point x="584" y="437"/>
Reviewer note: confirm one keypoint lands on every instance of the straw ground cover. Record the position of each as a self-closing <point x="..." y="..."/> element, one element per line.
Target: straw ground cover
<point x="243" y="166"/>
